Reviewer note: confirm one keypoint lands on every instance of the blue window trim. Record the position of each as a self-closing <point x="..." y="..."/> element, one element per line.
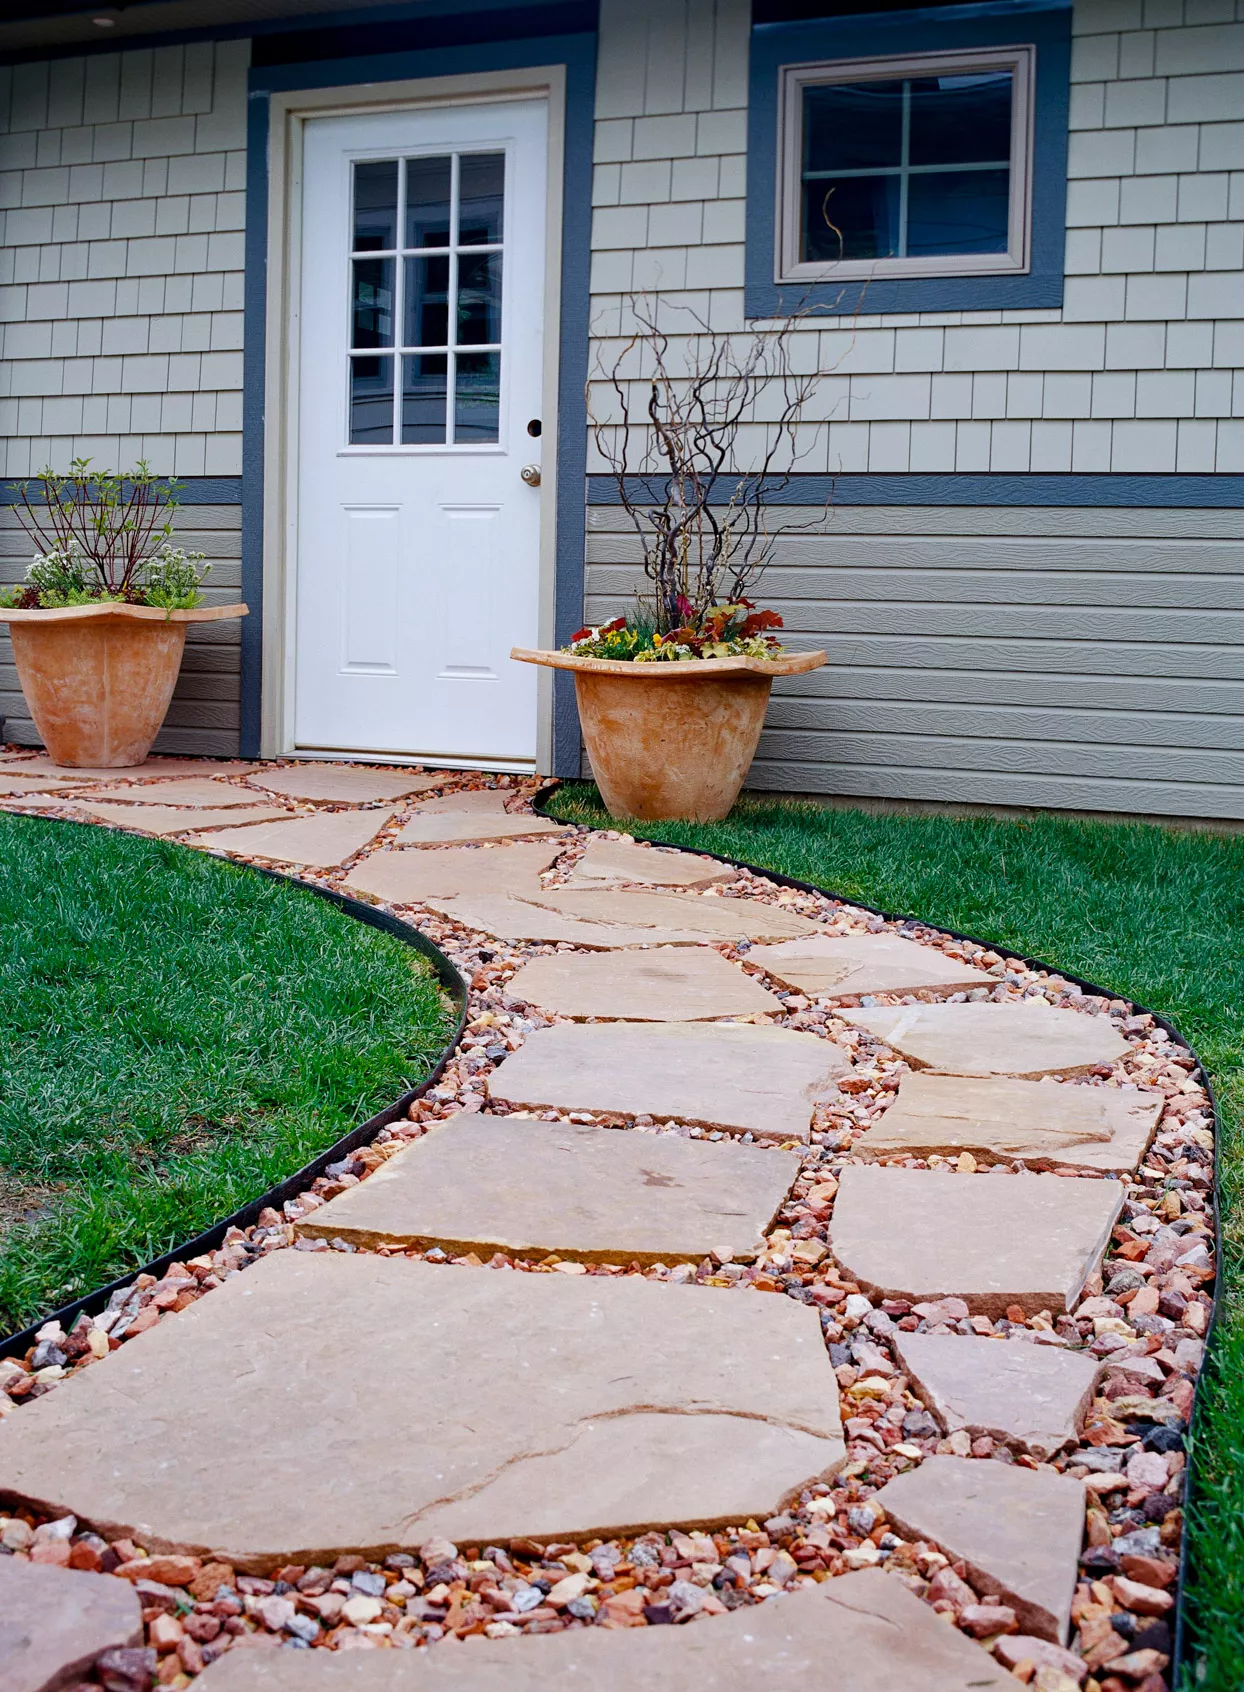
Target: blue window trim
<point x="577" y="53"/>
<point x="1044" y="24"/>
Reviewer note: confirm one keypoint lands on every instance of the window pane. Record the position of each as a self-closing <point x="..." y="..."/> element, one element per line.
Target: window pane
<point x="427" y="202"/>
<point x="371" y="402"/>
<point x="375" y="207"/>
<point x="961" y="119"/>
<point x="852" y="125"/>
<point x="372" y="304"/>
<point x="427" y="302"/>
<point x="481" y="188"/>
<point x="479" y="299"/>
<point x="850" y="217"/>
<point x="958" y="211"/>
<point x="477" y="396"/>
<point x="424" y="381"/>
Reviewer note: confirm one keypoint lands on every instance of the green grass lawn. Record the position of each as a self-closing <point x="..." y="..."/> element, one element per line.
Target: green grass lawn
<point x="178" y="1034"/>
<point x="1153" y="914"/>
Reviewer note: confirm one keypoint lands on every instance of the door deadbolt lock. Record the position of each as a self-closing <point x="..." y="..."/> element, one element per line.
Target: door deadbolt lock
<point x="531" y="475"/>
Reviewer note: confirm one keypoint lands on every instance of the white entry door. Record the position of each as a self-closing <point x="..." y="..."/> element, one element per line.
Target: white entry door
<point x="419" y="402"/>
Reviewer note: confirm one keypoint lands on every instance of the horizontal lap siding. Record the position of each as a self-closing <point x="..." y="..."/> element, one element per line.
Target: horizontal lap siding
<point x="1079" y="659"/>
<point x="203" y="717"/>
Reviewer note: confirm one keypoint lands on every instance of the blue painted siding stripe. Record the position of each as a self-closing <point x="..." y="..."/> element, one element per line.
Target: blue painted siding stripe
<point x="1142" y="492"/>
<point x="192" y="490"/>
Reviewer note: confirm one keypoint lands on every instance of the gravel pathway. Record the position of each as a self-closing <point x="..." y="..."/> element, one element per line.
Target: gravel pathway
<point x="1012" y="1389"/>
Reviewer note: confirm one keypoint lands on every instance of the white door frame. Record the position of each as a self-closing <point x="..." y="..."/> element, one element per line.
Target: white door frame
<point x="289" y="113"/>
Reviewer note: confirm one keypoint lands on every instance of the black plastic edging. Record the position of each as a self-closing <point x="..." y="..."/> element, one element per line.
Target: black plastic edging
<point x="212" y="1238"/>
<point x="1180" y="1647"/>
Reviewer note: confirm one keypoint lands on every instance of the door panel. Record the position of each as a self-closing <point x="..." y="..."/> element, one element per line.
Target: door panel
<point x="420" y="367"/>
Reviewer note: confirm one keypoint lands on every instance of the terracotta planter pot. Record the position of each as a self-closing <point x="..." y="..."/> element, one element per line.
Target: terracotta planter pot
<point x="672" y="740"/>
<point x="98" y="678"/>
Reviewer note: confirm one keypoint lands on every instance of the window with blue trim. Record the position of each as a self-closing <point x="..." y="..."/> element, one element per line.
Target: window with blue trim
<point x="927" y="178"/>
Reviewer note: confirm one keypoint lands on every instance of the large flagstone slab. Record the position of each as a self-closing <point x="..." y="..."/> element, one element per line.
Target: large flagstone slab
<point x="991" y="1240"/>
<point x="15" y="785"/>
<point x="54" y="1623"/>
<point x="675" y="984"/>
<point x="323" y="1403"/>
<point x="174" y="819"/>
<point x="484" y="801"/>
<point x="457" y="826"/>
<point x="1030" y="1396"/>
<point x="841" y="966"/>
<point x="1042" y="1123"/>
<point x="195" y="792"/>
<point x="607" y="1195"/>
<point x="860" y="1633"/>
<point x="621" y="862"/>
<point x="739" y="1077"/>
<point x="344" y="784"/>
<point x="157" y="766"/>
<point x="510" y="918"/>
<point x="715" y="918"/>
<point x="409" y="878"/>
<point x="319" y="842"/>
<point x="1018" y="1530"/>
<point x="1027" y="1040"/>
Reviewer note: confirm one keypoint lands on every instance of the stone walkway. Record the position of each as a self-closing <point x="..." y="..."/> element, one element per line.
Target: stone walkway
<point x="510" y="1371"/>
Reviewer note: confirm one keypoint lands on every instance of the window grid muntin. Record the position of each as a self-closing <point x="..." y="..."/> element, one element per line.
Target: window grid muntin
<point x="397" y="350"/>
<point x="789" y="266"/>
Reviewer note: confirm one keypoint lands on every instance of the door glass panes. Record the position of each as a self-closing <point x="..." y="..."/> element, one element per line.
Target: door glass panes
<point x="430" y="307"/>
<point x="906" y="168"/>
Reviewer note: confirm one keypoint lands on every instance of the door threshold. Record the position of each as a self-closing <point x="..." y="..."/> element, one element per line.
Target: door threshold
<point x="405" y="760"/>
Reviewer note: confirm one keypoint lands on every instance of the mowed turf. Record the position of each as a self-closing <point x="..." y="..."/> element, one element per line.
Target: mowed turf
<point x="177" y="1035"/>
<point x="1153" y="914"/>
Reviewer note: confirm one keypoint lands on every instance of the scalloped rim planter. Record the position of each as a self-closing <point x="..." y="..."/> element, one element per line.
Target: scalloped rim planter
<point x="671" y="741"/>
<point x="98" y="679"/>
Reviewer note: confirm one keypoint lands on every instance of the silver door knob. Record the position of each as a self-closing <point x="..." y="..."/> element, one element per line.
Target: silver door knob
<point x="531" y="475"/>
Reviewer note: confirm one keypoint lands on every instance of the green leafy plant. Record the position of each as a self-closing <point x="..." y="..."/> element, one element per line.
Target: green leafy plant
<point x="719" y="631"/>
<point x="104" y="538"/>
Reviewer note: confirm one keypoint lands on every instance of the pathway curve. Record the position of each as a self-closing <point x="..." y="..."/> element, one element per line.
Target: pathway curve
<point x="509" y="1371"/>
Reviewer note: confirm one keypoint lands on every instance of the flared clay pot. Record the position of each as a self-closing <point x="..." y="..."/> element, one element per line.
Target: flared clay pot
<point x="98" y="678"/>
<point x="672" y="740"/>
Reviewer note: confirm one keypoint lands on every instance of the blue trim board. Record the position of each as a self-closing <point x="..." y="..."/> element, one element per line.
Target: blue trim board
<point x="578" y="54"/>
<point x="191" y="490"/>
<point x="1137" y="492"/>
<point x="1045" y="24"/>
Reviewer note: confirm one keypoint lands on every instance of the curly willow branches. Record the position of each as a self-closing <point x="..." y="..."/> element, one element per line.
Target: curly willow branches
<point x="690" y="409"/>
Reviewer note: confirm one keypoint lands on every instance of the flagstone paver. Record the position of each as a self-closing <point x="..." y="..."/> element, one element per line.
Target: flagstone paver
<point x="16" y="786"/>
<point x="55" y="1623"/>
<point x="319" y="842"/>
<point x="860" y="1633"/>
<point x="1018" y="1530"/>
<point x="737" y="1077"/>
<point x="322" y="1403"/>
<point x="157" y="766"/>
<point x="621" y="862"/>
<point x="482" y="801"/>
<point x="1031" y="1039"/>
<point x="455" y="827"/>
<point x="347" y="784"/>
<point x="1033" y="1397"/>
<point x="992" y="1240"/>
<point x="845" y="966"/>
<point x="720" y="919"/>
<point x="608" y="1195"/>
<point x="511" y="918"/>
<point x="679" y="984"/>
<point x="407" y="878"/>
<point x="1046" y="1125"/>
<point x="173" y="819"/>
<point x="196" y="792"/>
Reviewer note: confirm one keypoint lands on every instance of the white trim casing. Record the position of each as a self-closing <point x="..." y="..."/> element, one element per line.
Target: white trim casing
<point x="288" y="113"/>
<point x="788" y="267"/>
